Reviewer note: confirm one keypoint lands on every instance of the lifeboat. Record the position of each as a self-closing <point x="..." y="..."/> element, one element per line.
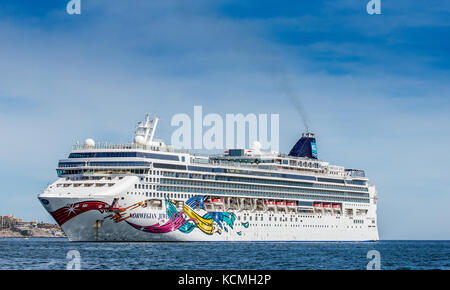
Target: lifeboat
<point x="217" y="200"/>
<point x="337" y="206"/>
<point x="326" y="205"/>
<point x="270" y="202"/>
<point x="281" y="203"/>
<point x="317" y="205"/>
<point x="291" y="203"/>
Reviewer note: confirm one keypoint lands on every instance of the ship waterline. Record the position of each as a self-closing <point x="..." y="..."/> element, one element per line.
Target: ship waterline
<point x="147" y="191"/>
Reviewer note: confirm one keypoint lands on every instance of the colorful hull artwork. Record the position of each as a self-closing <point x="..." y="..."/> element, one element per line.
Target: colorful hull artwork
<point x="185" y="220"/>
<point x="188" y="219"/>
<point x="66" y="213"/>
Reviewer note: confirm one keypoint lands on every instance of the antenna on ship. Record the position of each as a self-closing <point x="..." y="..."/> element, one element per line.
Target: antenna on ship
<point x="145" y="131"/>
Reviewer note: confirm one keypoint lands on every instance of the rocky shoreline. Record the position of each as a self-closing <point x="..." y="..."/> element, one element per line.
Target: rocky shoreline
<point x="30" y="233"/>
<point x="13" y="227"/>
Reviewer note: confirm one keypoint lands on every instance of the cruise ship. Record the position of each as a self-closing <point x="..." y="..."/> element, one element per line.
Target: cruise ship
<point x="148" y="191"/>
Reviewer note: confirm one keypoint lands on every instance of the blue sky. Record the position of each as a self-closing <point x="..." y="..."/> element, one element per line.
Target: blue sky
<point x="374" y="88"/>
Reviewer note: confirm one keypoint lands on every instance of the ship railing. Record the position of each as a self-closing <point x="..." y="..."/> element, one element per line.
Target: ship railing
<point x="231" y="164"/>
<point x="355" y="172"/>
<point x="106" y="145"/>
<point x="217" y="163"/>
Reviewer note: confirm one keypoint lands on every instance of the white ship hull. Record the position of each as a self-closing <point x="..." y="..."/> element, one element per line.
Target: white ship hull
<point x="94" y="225"/>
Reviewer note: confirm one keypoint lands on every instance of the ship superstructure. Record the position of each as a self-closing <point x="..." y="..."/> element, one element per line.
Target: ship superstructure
<point x="147" y="191"/>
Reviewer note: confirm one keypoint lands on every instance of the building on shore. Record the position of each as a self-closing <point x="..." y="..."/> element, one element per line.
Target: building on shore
<point x="8" y="221"/>
<point x="10" y="226"/>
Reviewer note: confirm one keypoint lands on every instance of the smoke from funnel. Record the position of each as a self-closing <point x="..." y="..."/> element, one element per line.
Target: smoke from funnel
<point x="277" y="70"/>
<point x="285" y="85"/>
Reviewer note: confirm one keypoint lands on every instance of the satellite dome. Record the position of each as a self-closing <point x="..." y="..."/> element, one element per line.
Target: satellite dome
<point x="89" y="143"/>
<point x="139" y="140"/>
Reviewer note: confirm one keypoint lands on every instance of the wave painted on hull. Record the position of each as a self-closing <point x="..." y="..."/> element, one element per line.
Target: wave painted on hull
<point x="68" y="212"/>
<point x="184" y="221"/>
<point x="188" y="219"/>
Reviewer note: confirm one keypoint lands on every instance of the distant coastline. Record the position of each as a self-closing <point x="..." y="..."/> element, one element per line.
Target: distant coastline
<point x="13" y="227"/>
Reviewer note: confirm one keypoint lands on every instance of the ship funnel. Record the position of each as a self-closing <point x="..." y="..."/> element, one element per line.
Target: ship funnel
<point x="305" y="147"/>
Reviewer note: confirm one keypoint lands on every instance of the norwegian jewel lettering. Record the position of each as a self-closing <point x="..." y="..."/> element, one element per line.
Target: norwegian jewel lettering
<point x="142" y="215"/>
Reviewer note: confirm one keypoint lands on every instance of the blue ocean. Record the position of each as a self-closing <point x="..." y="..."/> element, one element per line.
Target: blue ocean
<point x="48" y="254"/>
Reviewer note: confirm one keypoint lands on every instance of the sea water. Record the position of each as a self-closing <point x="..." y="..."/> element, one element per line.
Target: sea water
<point x="45" y="254"/>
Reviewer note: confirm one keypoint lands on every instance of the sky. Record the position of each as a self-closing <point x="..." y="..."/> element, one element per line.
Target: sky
<point x="375" y="89"/>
